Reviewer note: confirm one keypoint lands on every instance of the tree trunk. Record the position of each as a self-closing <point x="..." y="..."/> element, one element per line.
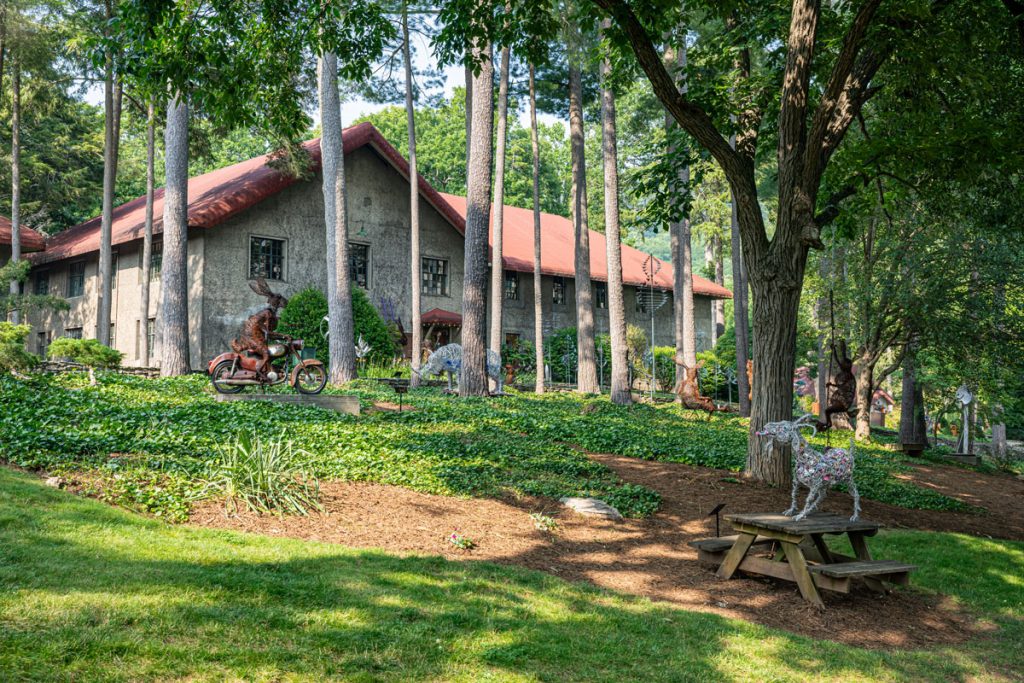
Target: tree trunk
<point x="718" y="305"/>
<point x="913" y="429"/>
<point x="865" y="390"/>
<point x="739" y="306"/>
<point x="775" y="317"/>
<point x="620" y="392"/>
<point x="147" y="239"/>
<point x="15" y="179"/>
<point x="416" y="345"/>
<point x="478" y="208"/>
<point x="684" y="325"/>
<point x="174" y="275"/>
<point x="340" y="325"/>
<point x="497" y="246"/>
<point x="538" y="297"/>
<point x="469" y="116"/>
<point x="111" y="132"/>
<point x="709" y="265"/>
<point x="586" y="369"/>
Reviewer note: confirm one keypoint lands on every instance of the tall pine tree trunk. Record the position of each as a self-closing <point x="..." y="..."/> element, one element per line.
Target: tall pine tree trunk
<point x="709" y="265"/>
<point x="497" y="246"/>
<point x="612" y="233"/>
<point x="913" y="428"/>
<point x="478" y="208"/>
<point x="15" y="314"/>
<point x="865" y="371"/>
<point x="469" y="115"/>
<point x="339" y="285"/>
<point x="718" y="305"/>
<point x="684" y="325"/>
<point x="147" y="239"/>
<point x="174" y="285"/>
<point x="586" y="373"/>
<point x="111" y="133"/>
<point x="414" y="210"/>
<point x="538" y="297"/>
<point x="739" y="306"/>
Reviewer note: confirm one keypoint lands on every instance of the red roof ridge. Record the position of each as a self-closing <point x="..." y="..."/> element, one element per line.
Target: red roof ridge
<point x="31" y="240"/>
<point x="218" y="195"/>
<point x="558" y="251"/>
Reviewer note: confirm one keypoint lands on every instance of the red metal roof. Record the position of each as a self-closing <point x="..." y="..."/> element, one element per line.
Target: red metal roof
<point x="439" y="316"/>
<point x="558" y="251"/>
<point x="216" y="196"/>
<point x="30" y="239"/>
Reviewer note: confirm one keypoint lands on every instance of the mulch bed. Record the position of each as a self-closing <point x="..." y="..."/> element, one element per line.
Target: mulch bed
<point x="650" y="557"/>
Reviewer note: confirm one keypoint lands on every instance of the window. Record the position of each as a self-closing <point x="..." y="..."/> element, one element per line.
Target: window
<point x="512" y="339"/>
<point x="558" y="291"/>
<point x="113" y="273"/>
<point x="359" y="264"/>
<point x="76" y="279"/>
<point x="435" y="276"/>
<point x="151" y="334"/>
<point x="156" y="262"/>
<point x="42" y="284"/>
<point x="138" y="340"/>
<point x="73" y="332"/>
<point x="42" y="343"/>
<point x="511" y="285"/>
<point x="266" y="258"/>
<point x="600" y="295"/>
<point x="113" y="336"/>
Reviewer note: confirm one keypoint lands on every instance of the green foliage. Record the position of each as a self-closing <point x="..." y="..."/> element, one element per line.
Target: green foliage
<point x="303" y="318"/>
<point x="266" y="475"/>
<point x="18" y="272"/>
<point x="13" y="355"/>
<point x="522" y="352"/>
<point x="88" y="352"/>
<point x="560" y="353"/>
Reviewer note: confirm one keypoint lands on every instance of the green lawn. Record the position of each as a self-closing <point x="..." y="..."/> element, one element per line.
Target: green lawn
<point x="147" y="444"/>
<point x="93" y="593"/>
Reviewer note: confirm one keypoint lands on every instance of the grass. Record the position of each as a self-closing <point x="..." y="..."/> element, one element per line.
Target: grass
<point x="94" y="593"/>
<point x="147" y="444"/>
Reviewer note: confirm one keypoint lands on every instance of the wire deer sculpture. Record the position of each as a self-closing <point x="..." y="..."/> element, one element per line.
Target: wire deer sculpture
<point x="448" y="359"/>
<point x="817" y="471"/>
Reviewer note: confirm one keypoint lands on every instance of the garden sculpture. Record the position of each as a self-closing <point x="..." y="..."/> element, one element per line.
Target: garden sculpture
<point x="260" y="328"/>
<point x="448" y="359"/>
<point x="844" y="385"/>
<point x="817" y="471"/>
<point x="750" y="380"/>
<point x="689" y="394"/>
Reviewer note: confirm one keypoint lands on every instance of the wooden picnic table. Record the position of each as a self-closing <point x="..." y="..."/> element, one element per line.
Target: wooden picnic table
<point x="802" y="556"/>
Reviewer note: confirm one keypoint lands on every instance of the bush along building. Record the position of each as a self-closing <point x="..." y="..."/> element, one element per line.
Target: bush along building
<point x="250" y="220"/>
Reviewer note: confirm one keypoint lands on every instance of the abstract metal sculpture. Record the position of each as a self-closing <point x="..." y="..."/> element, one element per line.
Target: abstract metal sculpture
<point x="689" y="394"/>
<point x="844" y="385"/>
<point x="260" y="328"/>
<point x="817" y="471"/>
<point x="448" y="359"/>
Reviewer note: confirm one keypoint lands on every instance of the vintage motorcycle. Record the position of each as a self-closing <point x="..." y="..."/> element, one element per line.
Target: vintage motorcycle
<point x="231" y="372"/>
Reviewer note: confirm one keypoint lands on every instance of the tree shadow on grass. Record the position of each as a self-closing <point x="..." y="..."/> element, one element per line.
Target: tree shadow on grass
<point x="95" y="593"/>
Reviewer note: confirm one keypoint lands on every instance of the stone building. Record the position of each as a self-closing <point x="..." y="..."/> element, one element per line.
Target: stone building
<point x="249" y="220"/>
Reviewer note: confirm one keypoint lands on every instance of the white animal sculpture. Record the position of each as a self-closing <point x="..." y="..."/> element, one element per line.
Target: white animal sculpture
<point x="448" y="359"/>
<point x="817" y="471"/>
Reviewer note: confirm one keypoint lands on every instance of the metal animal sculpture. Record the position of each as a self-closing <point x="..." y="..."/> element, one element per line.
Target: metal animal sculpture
<point x="817" y="471"/>
<point x="260" y="328"/>
<point x="448" y="359"/>
<point x="844" y="385"/>
<point x="689" y="394"/>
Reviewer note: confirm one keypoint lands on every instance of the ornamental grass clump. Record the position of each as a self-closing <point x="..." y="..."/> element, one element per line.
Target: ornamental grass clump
<point x="266" y="476"/>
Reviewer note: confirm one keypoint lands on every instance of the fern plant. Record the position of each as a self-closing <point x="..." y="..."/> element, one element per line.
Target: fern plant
<point x="266" y="476"/>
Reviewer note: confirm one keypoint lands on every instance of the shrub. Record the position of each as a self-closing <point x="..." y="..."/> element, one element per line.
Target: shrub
<point x="522" y="352"/>
<point x="560" y="354"/>
<point x="13" y="355"/>
<point x="302" y="318"/>
<point x="265" y="475"/>
<point x="88" y="352"/>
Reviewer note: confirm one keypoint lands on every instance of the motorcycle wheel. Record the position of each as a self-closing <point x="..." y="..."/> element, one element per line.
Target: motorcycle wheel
<point x="222" y="371"/>
<point x="311" y="379"/>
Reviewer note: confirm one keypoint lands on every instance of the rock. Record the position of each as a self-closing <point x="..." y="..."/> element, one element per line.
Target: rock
<point x="591" y="507"/>
<point x="56" y="482"/>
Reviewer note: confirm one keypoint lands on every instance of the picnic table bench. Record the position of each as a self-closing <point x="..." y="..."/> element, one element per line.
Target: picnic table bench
<point x="801" y="554"/>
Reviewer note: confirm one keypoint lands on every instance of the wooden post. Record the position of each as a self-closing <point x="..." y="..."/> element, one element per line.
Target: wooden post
<point x="999" y="442"/>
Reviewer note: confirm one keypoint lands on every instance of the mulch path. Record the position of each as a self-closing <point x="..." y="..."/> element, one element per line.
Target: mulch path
<point x="650" y="557"/>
